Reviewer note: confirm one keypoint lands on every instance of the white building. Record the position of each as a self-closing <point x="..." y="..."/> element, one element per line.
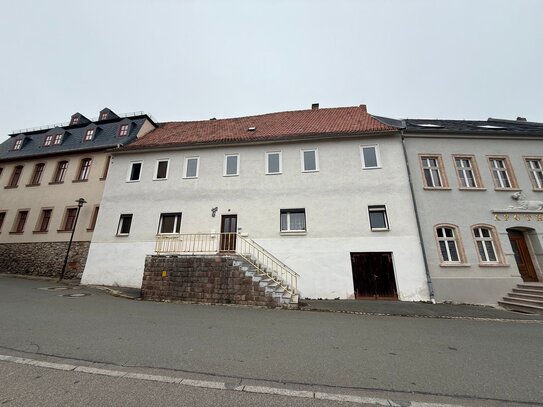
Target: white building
<point x="324" y="190"/>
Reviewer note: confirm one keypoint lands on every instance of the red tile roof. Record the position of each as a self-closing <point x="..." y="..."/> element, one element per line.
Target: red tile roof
<point x="267" y="127"/>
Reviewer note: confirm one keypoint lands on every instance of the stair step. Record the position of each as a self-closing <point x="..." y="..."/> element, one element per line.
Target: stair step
<point x="527" y="291"/>
<point x="531" y="286"/>
<point x="526" y="301"/>
<point x="525" y="295"/>
<point x="514" y="306"/>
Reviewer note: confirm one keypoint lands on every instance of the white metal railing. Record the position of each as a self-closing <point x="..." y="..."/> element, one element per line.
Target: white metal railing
<point x="264" y="262"/>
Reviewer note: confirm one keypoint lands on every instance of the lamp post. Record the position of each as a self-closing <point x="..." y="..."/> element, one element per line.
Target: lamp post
<point x="80" y="203"/>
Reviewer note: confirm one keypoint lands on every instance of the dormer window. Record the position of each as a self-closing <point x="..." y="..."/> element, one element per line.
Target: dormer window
<point x="57" y="140"/>
<point x="103" y="116"/>
<point x="123" y="130"/>
<point x="89" y="135"/>
<point x="48" y="140"/>
<point x="18" y="144"/>
<point x="75" y="120"/>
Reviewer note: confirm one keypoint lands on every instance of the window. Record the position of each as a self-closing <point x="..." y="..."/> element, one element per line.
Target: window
<point x="293" y="220"/>
<point x="310" y="160"/>
<point x="88" y="135"/>
<point x="433" y="172"/>
<point x="125" y="221"/>
<point x="273" y="163"/>
<point x="487" y="244"/>
<point x="84" y="169"/>
<point x="19" y="225"/>
<point x="45" y="219"/>
<point x="370" y="157"/>
<point x="169" y="223"/>
<point x="231" y="165"/>
<point x="15" y="176"/>
<point x="94" y="217"/>
<point x="448" y="241"/>
<point x="18" y="144"/>
<point x="535" y="169"/>
<point x="1" y="171"/>
<point x="69" y="220"/>
<point x="123" y="130"/>
<point x="161" y="169"/>
<point x="2" y="218"/>
<point x="191" y="167"/>
<point x="38" y="172"/>
<point x="60" y="173"/>
<point x="106" y="168"/>
<point x="103" y="116"/>
<point x="378" y="217"/>
<point x="134" y="171"/>
<point x="468" y="172"/>
<point x="502" y="173"/>
<point x="75" y="120"/>
<point x="57" y="140"/>
<point x="48" y="140"/>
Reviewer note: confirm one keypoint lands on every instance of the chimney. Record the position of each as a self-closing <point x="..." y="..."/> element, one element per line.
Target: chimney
<point x="315" y="106"/>
<point x="521" y="119"/>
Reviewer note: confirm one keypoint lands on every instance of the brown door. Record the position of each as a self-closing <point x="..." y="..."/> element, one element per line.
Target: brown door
<point x="522" y="256"/>
<point x="229" y="228"/>
<point x="373" y="276"/>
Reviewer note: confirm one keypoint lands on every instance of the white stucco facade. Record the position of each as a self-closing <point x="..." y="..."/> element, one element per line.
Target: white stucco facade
<point x="335" y="199"/>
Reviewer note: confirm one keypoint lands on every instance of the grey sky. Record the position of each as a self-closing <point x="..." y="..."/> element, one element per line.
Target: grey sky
<point x="191" y="60"/>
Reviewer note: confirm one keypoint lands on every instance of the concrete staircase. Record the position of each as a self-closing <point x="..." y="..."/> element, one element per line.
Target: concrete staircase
<point x="267" y="280"/>
<point x="526" y="297"/>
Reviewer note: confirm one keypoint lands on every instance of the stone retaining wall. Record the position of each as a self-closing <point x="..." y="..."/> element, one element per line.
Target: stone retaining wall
<point x="203" y="279"/>
<point x="43" y="259"/>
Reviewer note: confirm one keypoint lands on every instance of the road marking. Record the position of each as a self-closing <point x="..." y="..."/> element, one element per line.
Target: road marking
<point x="222" y="385"/>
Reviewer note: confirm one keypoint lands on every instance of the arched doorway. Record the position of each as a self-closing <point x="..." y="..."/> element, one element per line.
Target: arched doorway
<point x="523" y="257"/>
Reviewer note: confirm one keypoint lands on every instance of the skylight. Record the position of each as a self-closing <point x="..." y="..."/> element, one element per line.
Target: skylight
<point x="429" y="125"/>
<point x="489" y="126"/>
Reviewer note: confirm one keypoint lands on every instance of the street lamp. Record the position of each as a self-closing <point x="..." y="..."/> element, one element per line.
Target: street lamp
<point x="80" y="203"/>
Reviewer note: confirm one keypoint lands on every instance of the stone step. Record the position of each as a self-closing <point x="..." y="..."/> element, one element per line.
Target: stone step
<point x="526" y="291"/>
<point x="514" y="306"/>
<point x="526" y="301"/>
<point x="531" y="286"/>
<point x="538" y="297"/>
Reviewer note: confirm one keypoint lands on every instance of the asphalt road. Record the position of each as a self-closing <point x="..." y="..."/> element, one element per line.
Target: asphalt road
<point x="483" y="360"/>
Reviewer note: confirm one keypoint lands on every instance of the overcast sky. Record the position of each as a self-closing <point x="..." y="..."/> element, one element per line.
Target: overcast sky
<point x="192" y="60"/>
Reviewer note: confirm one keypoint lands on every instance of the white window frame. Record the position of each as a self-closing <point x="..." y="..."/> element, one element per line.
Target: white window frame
<point x="129" y="173"/>
<point x="57" y="139"/>
<point x="18" y="144"/>
<point x="176" y="225"/>
<point x="536" y="173"/>
<point x="155" y="176"/>
<point x="122" y="217"/>
<point x="502" y="174"/>
<point x="455" y="239"/>
<point x="437" y="169"/>
<point x="288" y="212"/>
<point x="377" y="156"/>
<point x="225" y="165"/>
<point x="267" y="163"/>
<point x="493" y="243"/>
<point x="89" y="135"/>
<point x="302" y="159"/>
<point x="378" y="208"/>
<point x="48" y="140"/>
<point x="186" y="168"/>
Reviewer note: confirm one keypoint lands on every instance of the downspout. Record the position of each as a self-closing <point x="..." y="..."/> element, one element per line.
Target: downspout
<point x="428" y="277"/>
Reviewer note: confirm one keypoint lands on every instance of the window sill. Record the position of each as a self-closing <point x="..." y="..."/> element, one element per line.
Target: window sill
<point x="80" y="180"/>
<point x="471" y="189"/>
<point x="230" y="175"/>
<point x="40" y="232"/>
<point x="132" y="180"/>
<point x="56" y="183"/>
<point x="16" y="233"/>
<point x="122" y="235"/>
<point x="63" y="231"/>
<point x="167" y="234"/>
<point x="537" y="189"/>
<point x="453" y="265"/>
<point x="293" y="233"/>
<point x="380" y="230"/>
<point x="507" y="189"/>
<point x="160" y="179"/>
<point x="32" y="185"/>
<point x="273" y="173"/>
<point x="11" y="187"/>
<point x="102" y="179"/>
<point x="309" y="171"/>
<point x="493" y="265"/>
<point x="190" y="177"/>
<point x="372" y="168"/>
<point x="90" y="230"/>
<point x="437" y="188"/>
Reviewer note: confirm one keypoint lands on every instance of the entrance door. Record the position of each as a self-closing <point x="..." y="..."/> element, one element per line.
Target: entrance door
<point x="522" y="256"/>
<point x="373" y="276"/>
<point x="229" y="228"/>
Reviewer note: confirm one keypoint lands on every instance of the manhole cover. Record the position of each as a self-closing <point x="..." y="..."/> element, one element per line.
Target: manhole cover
<point x="53" y="288"/>
<point x="74" y="295"/>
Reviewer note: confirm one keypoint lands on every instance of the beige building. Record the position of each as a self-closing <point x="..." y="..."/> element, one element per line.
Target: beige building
<point x="43" y="172"/>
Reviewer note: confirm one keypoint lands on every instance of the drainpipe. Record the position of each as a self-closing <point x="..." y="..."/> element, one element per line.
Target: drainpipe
<point x="428" y="277"/>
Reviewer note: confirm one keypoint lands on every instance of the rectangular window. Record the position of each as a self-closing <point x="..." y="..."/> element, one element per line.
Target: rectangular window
<point x="123" y="130"/>
<point x="467" y="171"/>
<point x="15" y="176"/>
<point x="69" y="219"/>
<point x="125" y="221"/>
<point x="310" y="160"/>
<point x="94" y="217"/>
<point x="2" y="218"/>
<point x="60" y="173"/>
<point x="432" y="169"/>
<point x="45" y="219"/>
<point x="378" y="217"/>
<point x="38" y="172"/>
<point x="84" y="169"/>
<point x="484" y="239"/>
<point x="48" y="140"/>
<point x="134" y="171"/>
<point x="273" y="162"/>
<point x="535" y="169"/>
<point x="57" y="140"/>
<point x="502" y="173"/>
<point x="169" y="223"/>
<point x="293" y="220"/>
<point x="370" y="156"/>
<point x="191" y="167"/>
<point x="19" y="225"/>
<point x="161" y="169"/>
<point x="88" y="135"/>
<point x="231" y="165"/>
<point x="18" y="144"/>
<point x="103" y="116"/>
